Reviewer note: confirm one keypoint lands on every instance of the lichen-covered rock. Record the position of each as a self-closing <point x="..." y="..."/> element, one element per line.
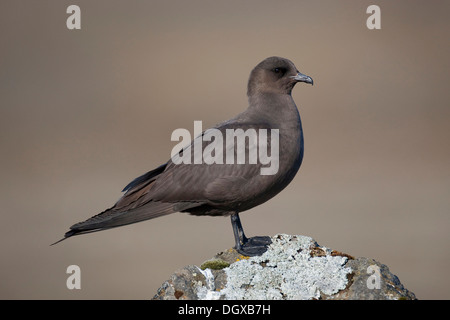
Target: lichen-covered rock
<point x="372" y="280"/>
<point x="293" y="267"/>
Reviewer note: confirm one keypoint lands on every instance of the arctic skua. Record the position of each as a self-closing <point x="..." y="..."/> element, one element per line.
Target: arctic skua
<point x="222" y="189"/>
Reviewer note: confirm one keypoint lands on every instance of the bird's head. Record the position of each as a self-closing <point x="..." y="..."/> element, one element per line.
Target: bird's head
<point x="275" y="75"/>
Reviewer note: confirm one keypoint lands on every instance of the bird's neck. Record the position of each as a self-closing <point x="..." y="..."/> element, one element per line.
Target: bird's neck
<point x="280" y="108"/>
<point x="280" y="111"/>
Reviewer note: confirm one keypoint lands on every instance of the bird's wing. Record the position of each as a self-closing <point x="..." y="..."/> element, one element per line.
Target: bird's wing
<point x="209" y="183"/>
<point x="177" y="187"/>
<point x="134" y="206"/>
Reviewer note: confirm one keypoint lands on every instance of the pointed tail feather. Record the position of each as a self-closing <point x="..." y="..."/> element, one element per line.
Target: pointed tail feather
<point x="68" y="234"/>
<point x="111" y="219"/>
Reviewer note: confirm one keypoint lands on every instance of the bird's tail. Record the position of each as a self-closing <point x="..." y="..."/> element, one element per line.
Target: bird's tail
<point x="68" y="234"/>
<point x="111" y="218"/>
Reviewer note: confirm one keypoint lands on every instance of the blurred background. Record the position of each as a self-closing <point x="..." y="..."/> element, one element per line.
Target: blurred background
<point x="83" y="112"/>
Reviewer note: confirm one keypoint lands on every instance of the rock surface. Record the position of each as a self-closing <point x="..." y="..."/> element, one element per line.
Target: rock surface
<point x="294" y="267"/>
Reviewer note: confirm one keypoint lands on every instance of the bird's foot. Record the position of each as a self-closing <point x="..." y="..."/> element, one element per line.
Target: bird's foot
<point x="254" y="246"/>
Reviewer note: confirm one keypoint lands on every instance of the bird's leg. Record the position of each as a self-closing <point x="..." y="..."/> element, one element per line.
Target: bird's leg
<point x="239" y="235"/>
<point x="254" y="246"/>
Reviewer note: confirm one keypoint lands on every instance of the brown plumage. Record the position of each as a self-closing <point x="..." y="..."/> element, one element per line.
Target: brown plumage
<point x="221" y="189"/>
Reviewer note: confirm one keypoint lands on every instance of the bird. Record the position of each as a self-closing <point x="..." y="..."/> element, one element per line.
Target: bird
<point x="221" y="189"/>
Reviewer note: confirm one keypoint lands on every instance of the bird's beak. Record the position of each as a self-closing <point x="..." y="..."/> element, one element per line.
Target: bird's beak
<point x="300" y="77"/>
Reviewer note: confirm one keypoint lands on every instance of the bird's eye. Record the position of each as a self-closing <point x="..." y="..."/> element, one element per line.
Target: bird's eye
<point x="279" y="70"/>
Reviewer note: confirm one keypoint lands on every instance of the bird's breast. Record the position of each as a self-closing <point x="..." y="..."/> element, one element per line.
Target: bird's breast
<point x="290" y="155"/>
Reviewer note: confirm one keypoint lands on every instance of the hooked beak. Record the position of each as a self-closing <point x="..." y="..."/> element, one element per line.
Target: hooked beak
<point x="300" y="77"/>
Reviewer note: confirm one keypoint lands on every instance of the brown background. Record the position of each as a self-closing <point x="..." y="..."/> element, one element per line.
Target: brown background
<point x="84" y="112"/>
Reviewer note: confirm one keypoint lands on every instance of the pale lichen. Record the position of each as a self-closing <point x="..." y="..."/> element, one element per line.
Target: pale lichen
<point x="287" y="270"/>
<point x="208" y="291"/>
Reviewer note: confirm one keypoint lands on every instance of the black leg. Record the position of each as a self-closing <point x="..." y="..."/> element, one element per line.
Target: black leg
<point x="254" y="246"/>
<point x="235" y="223"/>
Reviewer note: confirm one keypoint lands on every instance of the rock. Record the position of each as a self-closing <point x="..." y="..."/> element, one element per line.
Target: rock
<point x="293" y="267"/>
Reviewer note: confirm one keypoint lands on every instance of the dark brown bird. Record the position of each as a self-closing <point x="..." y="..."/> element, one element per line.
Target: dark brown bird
<point x="221" y="189"/>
